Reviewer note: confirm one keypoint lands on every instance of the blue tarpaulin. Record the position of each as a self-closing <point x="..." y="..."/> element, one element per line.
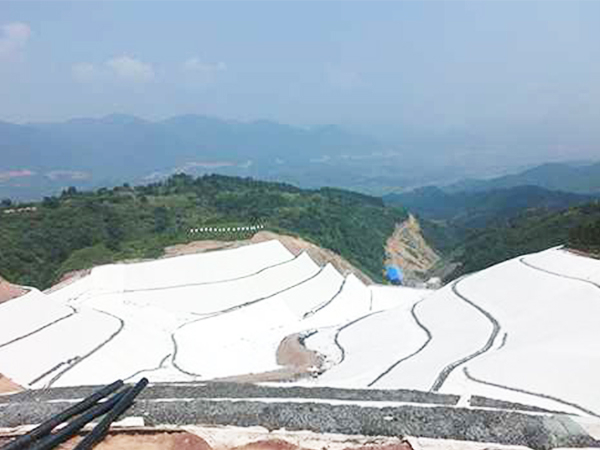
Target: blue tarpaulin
<point x="394" y="274"/>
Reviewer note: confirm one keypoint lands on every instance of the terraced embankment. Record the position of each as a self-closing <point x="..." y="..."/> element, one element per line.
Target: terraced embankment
<point x="295" y="245"/>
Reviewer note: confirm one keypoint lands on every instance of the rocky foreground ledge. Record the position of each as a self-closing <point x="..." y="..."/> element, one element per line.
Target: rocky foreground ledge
<point x="371" y="414"/>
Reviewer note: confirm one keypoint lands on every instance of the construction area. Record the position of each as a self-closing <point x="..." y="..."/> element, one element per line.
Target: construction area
<point x="294" y="351"/>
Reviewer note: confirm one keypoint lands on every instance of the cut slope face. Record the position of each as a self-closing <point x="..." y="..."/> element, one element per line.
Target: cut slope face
<point x="407" y="249"/>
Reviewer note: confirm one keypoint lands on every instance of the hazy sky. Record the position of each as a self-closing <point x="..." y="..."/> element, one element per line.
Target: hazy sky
<point x="424" y="63"/>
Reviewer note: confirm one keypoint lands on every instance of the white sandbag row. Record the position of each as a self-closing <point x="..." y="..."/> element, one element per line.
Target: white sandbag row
<point x="226" y="229"/>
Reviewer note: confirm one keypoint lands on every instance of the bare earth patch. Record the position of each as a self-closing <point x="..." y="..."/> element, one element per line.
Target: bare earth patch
<point x="395" y="446"/>
<point x="7" y="386"/>
<point x="407" y="249"/>
<point x="68" y="278"/>
<point x="9" y="291"/>
<point x="297" y="361"/>
<point x="201" y="246"/>
<point x="268" y="444"/>
<point x="292" y="353"/>
<point x="179" y="440"/>
<point x="582" y="253"/>
<point x="229" y="440"/>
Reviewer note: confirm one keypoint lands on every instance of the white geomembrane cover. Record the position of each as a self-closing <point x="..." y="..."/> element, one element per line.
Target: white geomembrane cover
<point x="525" y="330"/>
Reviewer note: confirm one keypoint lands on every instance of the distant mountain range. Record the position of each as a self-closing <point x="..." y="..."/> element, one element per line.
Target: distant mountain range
<point x="554" y="176"/>
<point x="38" y="158"/>
<point x="41" y="159"/>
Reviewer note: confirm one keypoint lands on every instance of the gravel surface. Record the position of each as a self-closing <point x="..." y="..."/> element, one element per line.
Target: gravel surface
<point x="236" y="390"/>
<point x="427" y="414"/>
<point x="217" y="390"/>
<point x="442" y="422"/>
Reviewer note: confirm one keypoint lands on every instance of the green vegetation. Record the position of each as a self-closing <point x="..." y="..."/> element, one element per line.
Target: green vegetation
<point x="586" y="236"/>
<point x="481" y="209"/>
<point x="475" y="230"/>
<point x="81" y="229"/>
<point x="577" y="227"/>
<point x="442" y="237"/>
<point x="583" y="179"/>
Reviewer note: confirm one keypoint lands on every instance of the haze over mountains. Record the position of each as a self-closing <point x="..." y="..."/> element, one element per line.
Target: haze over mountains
<point x="40" y="159"/>
<point x="583" y="179"/>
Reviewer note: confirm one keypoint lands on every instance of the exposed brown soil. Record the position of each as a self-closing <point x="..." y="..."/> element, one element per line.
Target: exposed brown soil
<point x="201" y="246"/>
<point x="8" y="386"/>
<point x="268" y="444"/>
<point x="582" y="253"/>
<point x="397" y="446"/>
<point x="297" y="361"/>
<point x="408" y="249"/>
<point x="183" y="440"/>
<point x="68" y="278"/>
<point x="180" y="440"/>
<point x="273" y="376"/>
<point x="9" y="291"/>
<point x="292" y="353"/>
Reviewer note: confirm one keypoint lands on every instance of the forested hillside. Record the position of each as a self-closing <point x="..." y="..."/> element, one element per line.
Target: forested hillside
<point x="576" y="227"/>
<point x="80" y="229"/>
<point x="482" y="208"/>
<point x="476" y="229"/>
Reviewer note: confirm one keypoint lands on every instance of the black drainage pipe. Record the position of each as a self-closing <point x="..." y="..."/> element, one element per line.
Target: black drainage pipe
<point x="64" y="434"/>
<point x="100" y="431"/>
<point x="47" y="426"/>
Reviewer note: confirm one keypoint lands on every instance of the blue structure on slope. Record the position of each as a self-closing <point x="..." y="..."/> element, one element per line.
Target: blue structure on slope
<point x="394" y="274"/>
